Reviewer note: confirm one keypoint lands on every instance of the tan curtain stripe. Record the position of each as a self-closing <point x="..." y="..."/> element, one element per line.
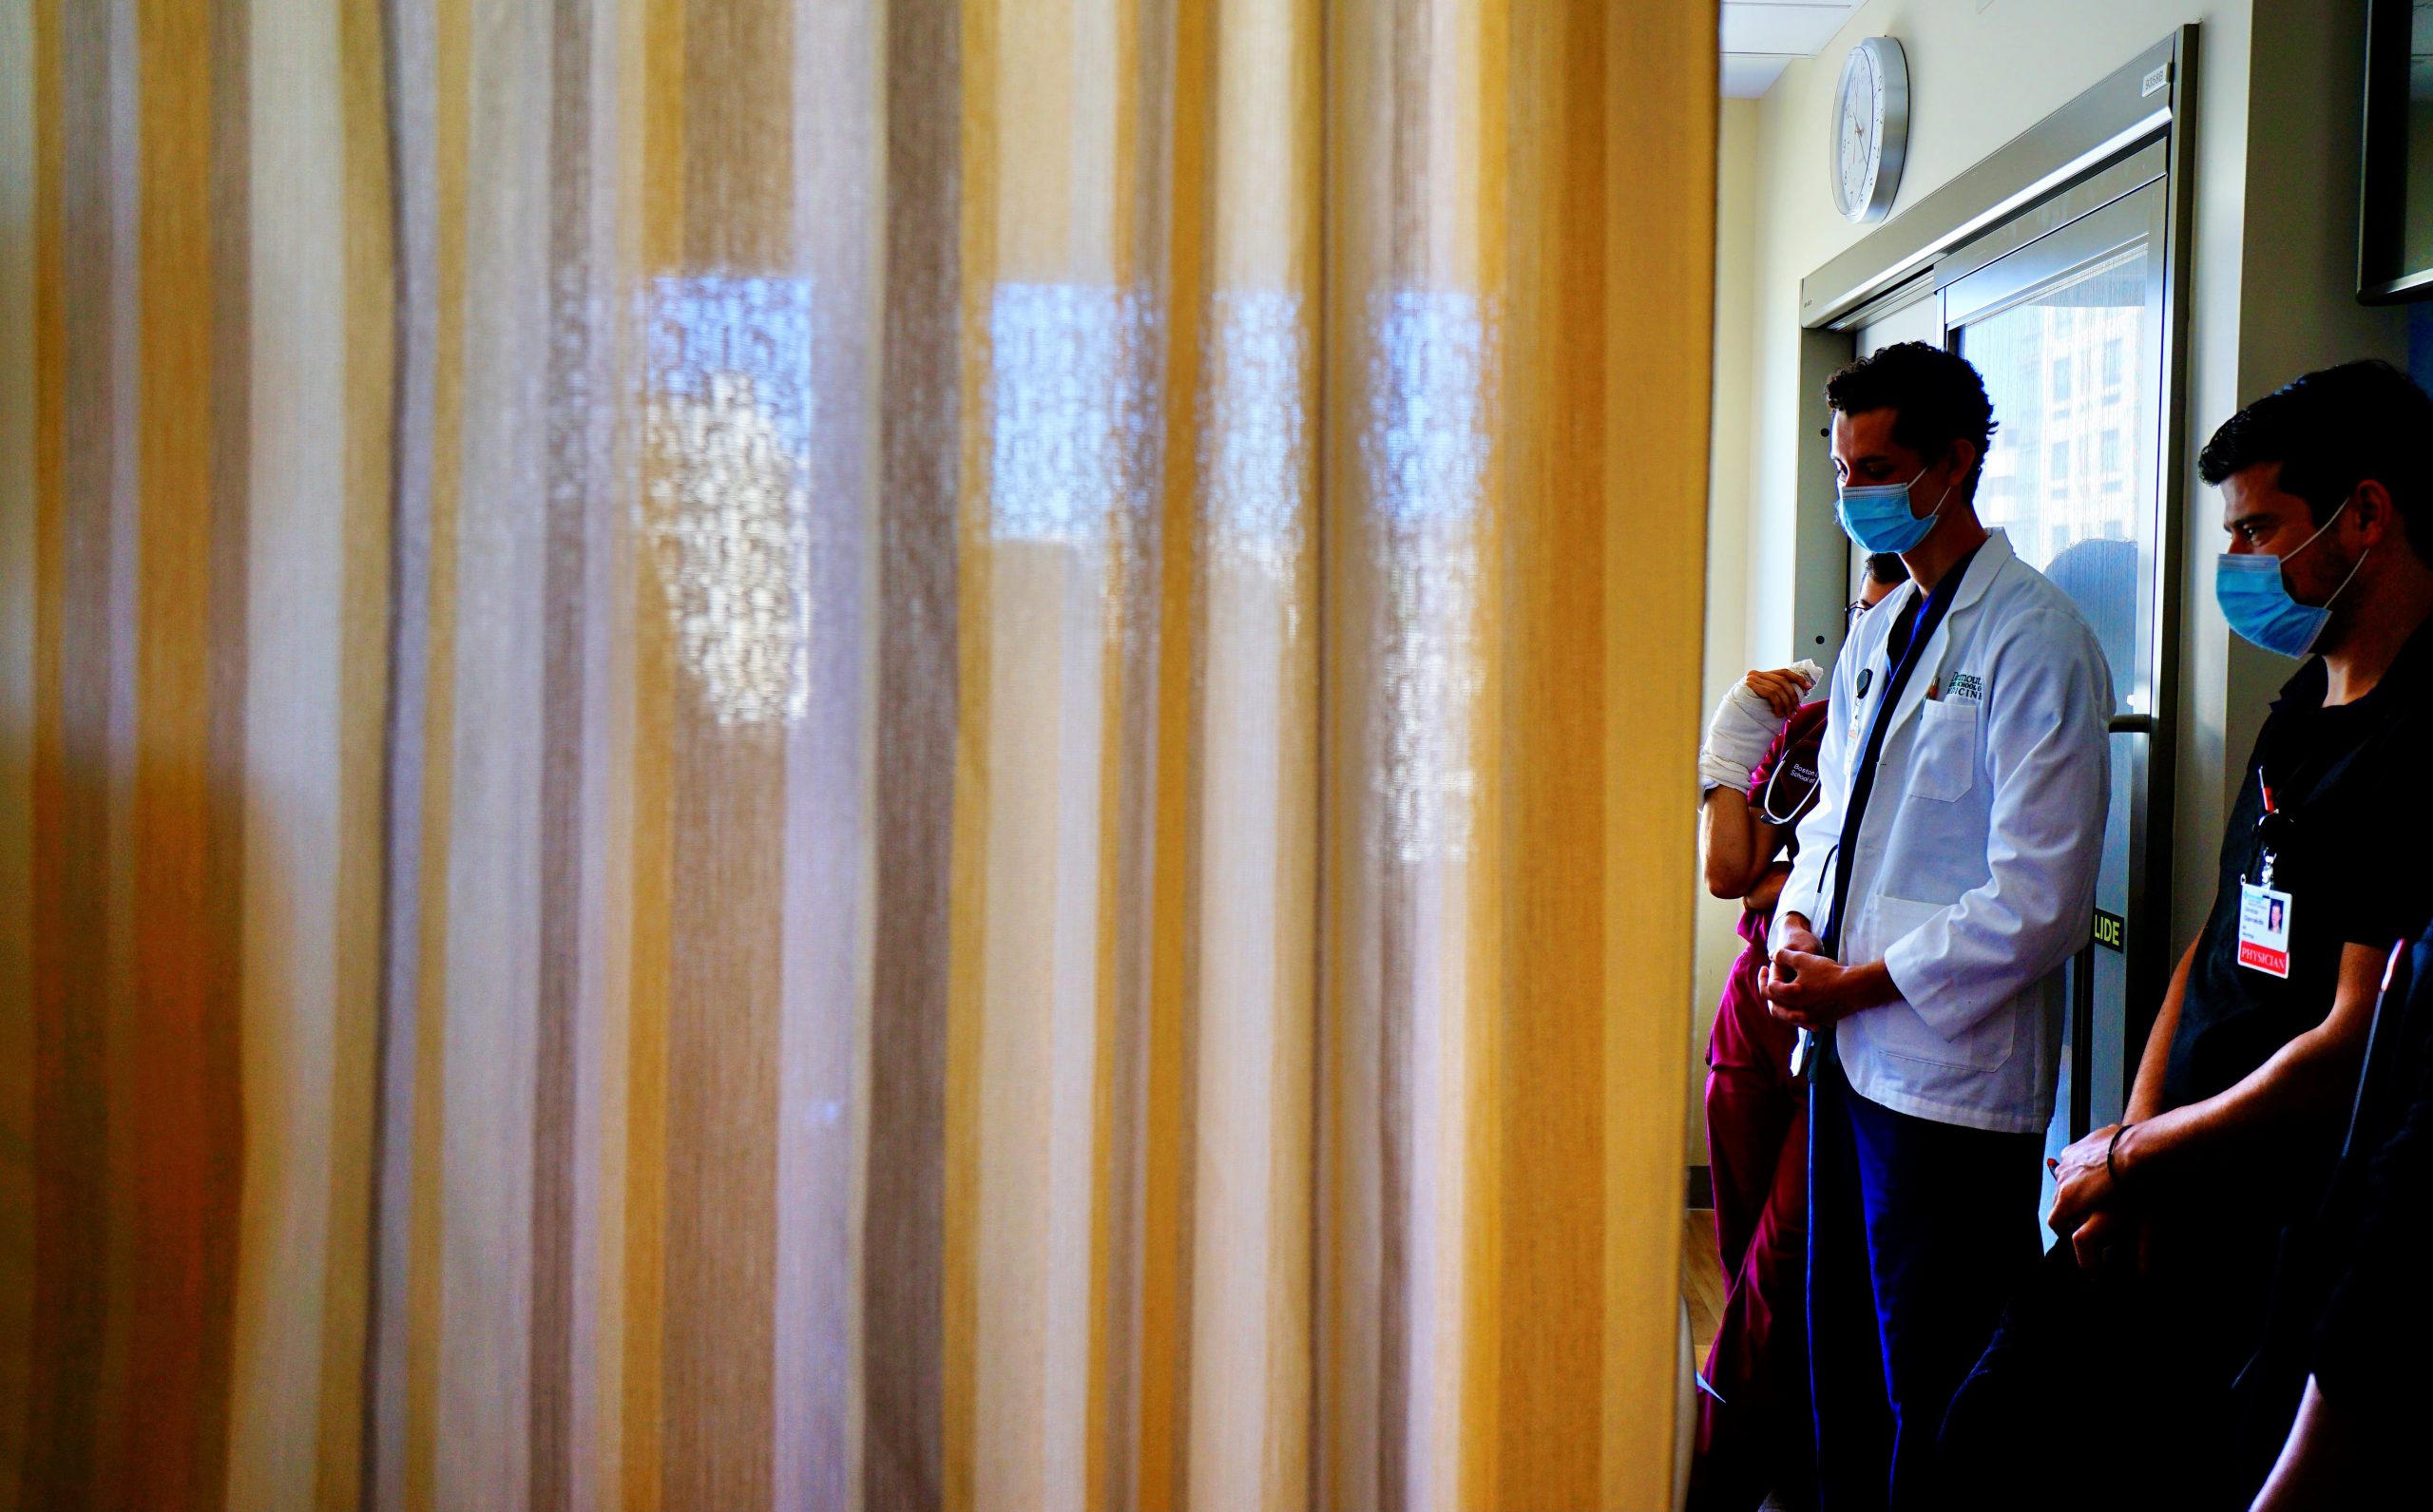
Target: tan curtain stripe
<point x="916" y="750"/>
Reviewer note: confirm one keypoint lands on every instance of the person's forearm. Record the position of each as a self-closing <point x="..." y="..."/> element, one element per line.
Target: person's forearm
<point x="1725" y="841"/>
<point x="2307" y="1472"/>
<point x="1870" y="986"/>
<point x="2146" y="1092"/>
<point x="1762" y="897"/>
<point x="2304" y="1087"/>
<point x="2306" y="1078"/>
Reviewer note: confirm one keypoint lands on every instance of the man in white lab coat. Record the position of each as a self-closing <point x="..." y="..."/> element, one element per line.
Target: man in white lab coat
<point x="1944" y="876"/>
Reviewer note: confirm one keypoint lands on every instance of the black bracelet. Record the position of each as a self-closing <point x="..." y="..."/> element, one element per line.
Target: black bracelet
<point x="2110" y="1149"/>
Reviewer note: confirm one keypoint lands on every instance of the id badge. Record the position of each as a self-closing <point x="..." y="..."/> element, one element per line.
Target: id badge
<point x="2264" y="929"/>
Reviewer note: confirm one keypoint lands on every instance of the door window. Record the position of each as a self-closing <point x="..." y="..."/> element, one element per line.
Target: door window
<point x="2062" y="474"/>
<point x="2067" y="331"/>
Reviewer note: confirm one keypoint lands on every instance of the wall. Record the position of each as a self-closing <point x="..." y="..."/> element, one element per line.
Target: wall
<point x="2270" y="295"/>
<point x="2297" y="310"/>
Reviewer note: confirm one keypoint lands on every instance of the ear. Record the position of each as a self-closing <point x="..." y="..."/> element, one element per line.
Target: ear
<point x="2376" y="516"/>
<point x="1964" y="453"/>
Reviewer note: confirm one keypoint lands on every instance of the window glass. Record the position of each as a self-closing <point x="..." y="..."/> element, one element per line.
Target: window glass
<point x="2058" y="474"/>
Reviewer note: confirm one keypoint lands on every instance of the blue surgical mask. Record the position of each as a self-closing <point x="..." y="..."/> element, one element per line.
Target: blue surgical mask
<point x="2255" y="598"/>
<point x="1877" y="516"/>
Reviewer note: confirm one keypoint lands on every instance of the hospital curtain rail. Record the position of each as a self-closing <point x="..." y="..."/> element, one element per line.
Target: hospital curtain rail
<point x="818" y="753"/>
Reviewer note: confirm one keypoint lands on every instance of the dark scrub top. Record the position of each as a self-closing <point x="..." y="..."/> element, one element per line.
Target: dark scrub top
<point x="2349" y="864"/>
<point x="2352" y="873"/>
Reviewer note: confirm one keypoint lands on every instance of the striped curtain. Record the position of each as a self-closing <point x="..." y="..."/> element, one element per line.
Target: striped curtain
<point x="818" y="753"/>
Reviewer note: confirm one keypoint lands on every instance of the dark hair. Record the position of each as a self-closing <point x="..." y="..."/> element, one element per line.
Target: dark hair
<point x="2332" y="429"/>
<point x="1887" y="568"/>
<point x="1935" y="397"/>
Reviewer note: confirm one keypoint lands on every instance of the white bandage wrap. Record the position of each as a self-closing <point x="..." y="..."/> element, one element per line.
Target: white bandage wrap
<point x="1744" y="725"/>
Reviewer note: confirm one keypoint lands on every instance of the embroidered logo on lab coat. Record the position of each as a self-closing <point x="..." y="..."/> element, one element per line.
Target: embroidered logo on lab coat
<point x="1966" y="685"/>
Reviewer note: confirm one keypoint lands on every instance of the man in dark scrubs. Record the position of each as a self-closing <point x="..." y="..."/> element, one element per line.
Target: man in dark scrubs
<point x="2110" y="1380"/>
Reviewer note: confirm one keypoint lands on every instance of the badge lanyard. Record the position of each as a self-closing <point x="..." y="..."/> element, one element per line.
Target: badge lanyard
<point x="1922" y="630"/>
<point x="2265" y="912"/>
<point x="2271" y="829"/>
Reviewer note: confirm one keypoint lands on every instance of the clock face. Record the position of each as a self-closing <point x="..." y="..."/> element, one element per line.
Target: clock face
<point x="1870" y="124"/>
<point x="1858" y="128"/>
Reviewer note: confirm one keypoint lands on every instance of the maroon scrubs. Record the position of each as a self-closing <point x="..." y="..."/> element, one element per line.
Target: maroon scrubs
<point x="1759" y="1435"/>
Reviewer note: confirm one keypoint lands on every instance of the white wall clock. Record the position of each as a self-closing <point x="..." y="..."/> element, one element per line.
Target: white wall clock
<point x="1871" y="129"/>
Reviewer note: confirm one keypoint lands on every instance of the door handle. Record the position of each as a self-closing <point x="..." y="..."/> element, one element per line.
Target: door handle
<point x="2132" y="724"/>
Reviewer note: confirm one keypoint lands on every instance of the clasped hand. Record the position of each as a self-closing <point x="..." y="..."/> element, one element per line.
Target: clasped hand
<point x="1803" y="985"/>
<point x="2087" y="1207"/>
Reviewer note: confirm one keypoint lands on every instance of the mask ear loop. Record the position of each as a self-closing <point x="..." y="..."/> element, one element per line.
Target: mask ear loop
<point x="2345" y="581"/>
<point x="2283" y="561"/>
<point x="1935" y="513"/>
<point x="2317" y="536"/>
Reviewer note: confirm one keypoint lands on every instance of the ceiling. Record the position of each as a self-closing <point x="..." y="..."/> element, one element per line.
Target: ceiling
<point x="1761" y="37"/>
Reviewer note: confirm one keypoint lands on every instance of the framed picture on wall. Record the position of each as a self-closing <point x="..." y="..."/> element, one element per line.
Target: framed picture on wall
<point x="2395" y="206"/>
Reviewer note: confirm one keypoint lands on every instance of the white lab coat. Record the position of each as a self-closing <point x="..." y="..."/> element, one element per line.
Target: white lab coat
<point x="1973" y="877"/>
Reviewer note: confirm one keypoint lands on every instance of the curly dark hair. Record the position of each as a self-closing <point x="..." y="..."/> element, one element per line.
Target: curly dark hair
<point x="1935" y="397"/>
<point x="2332" y="429"/>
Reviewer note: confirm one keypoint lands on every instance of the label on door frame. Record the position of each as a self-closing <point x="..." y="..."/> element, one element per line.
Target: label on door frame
<point x="2110" y="930"/>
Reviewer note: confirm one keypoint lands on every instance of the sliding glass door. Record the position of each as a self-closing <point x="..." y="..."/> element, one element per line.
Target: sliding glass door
<point x="2067" y="327"/>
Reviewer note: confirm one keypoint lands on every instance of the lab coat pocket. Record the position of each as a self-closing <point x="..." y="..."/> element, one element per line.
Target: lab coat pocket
<point x="1897" y="1028"/>
<point x="1943" y="758"/>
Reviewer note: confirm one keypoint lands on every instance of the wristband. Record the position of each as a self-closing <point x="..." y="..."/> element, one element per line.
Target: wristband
<point x="2110" y="1149"/>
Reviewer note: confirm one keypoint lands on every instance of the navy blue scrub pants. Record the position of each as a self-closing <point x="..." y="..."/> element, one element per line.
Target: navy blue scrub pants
<point x="1916" y="1232"/>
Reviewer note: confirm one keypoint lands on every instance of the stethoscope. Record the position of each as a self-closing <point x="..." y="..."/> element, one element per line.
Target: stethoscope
<point x="1781" y="802"/>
